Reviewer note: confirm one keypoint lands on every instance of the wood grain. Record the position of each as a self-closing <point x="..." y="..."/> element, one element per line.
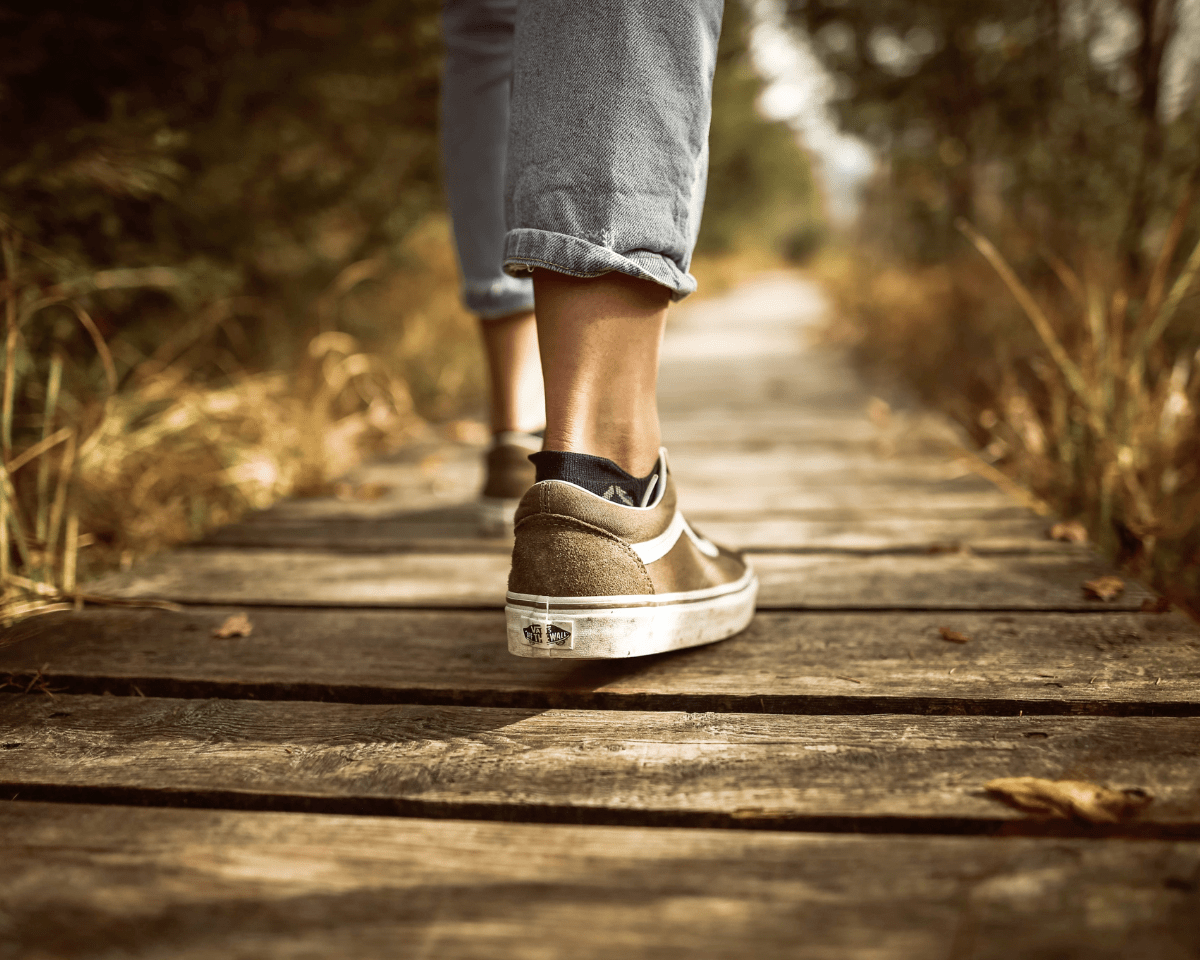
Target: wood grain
<point x="864" y="497"/>
<point x="949" y="581"/>
<point x="658" y="768"/>
<point x="857" y="533"/>
<point x="84" y="881"/>
<point x="798" y="663"/>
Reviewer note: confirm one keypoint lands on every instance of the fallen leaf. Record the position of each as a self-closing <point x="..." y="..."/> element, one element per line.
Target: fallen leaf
<point x="953" y="635"/>
<point x="1104" y="588"/>
<point x="1069" y="798"/>
<point x="238" y="625"/>
<point x="1157" y="605"/>
<point x="1069" y="531"/>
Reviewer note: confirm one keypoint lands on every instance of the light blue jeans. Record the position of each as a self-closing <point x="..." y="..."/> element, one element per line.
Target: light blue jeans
<point x="575" y="139"/>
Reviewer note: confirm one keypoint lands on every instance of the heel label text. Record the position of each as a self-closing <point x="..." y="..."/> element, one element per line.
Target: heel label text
<point x="548" y="634"/>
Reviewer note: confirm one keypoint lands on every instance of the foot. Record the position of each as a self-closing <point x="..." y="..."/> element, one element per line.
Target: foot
<point x="507" y="475"/>
<point x="594" y="578"/>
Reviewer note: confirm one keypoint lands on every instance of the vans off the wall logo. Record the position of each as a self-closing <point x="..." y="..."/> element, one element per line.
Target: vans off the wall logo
<point x="547" y="635"/>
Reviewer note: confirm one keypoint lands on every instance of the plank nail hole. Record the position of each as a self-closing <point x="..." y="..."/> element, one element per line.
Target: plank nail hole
<point x="1036" y="735"/>
<point x="9" y="746"/>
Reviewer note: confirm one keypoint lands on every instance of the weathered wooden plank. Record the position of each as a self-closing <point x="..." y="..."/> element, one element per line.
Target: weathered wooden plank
<point x="863" y="497"/>
<point x="738" y="466"/>
<point x="742" y="385"/>
<point x="295" y="577"/>
<point x="807" y="464"/>
<point x="657" y="768"/>
<point x="84" y="881"/>
<point x="396" y="535"/>
<point x="773" y="423"/>
<point x="1018" y="535"/>
<point x="449" y="529"/>
<point x="809" y="663"/>
<point x="949" y="581"/>
<point x="910" y="498"/>
<point x="438" y="476"/>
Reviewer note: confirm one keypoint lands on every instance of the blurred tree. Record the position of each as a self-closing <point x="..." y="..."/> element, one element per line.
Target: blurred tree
<point x="760" y="185"/>
<point x="250" y="148"/>
<point x="1046" y="112"/>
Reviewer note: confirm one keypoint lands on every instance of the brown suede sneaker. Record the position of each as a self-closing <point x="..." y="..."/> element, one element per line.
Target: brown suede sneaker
<point x="507" y="475"/>
<point x="596" y="579"/>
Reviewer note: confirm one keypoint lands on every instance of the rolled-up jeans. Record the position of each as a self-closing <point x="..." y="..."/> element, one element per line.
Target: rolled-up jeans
<point x="575" y="139"/>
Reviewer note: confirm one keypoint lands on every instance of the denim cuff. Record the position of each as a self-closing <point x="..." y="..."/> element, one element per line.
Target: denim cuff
<point x="527" y="250"/>
<point x="492" y="299"/>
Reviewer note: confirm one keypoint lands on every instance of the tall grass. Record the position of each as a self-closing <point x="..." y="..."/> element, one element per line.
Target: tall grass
<point x="1082" y="383"/>
<point x="160" y="452"/>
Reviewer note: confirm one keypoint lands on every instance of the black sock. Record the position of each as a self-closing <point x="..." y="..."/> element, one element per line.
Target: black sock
<point x="595" y="474"/>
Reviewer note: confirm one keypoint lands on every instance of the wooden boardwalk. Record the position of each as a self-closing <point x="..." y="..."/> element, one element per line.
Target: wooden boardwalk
<point x="370" y="774"/>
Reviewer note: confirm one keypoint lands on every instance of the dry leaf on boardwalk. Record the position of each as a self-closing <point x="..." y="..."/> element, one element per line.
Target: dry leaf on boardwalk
<point x="238" y="625"/>
<point x="1069" y="798"/>
<point x="1069" y="531"/>
<point x="953" y="636"/>
<point x="1157" y="605"/>
<point x="1104" y="588"/>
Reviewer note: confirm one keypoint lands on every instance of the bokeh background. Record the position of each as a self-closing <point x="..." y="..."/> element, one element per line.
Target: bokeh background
<point x="228" y="276"/>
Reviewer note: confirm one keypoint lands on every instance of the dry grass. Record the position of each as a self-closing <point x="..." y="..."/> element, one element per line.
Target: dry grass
<point x="104" y="478"/>
<point x="1080" y="391"/>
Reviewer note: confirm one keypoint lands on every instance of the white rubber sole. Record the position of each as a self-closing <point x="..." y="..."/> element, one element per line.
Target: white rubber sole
<point x="605" y="628"/>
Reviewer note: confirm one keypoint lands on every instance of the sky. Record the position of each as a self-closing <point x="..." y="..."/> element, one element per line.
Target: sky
<point x="798" y="91"/>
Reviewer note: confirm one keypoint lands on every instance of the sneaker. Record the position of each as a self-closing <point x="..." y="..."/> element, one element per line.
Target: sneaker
<point x="508" y="474"/>
<point x="593" y="578"/>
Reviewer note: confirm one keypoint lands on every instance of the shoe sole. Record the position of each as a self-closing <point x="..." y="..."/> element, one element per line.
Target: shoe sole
<point x="609" y="628"/>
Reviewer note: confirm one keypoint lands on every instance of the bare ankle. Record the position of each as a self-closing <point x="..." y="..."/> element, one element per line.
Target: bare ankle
<point x="600" y="341"/>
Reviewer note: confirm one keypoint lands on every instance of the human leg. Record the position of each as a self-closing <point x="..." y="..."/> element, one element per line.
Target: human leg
<point x="600" y="342"/>
<point x="476" y="83"/>
<point x="607" y="162"/>
<point x="517" y="410"/>
<point x="516" y="400"/>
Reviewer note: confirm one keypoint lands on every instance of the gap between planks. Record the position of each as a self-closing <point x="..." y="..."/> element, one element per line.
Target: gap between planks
<point x="1035" y="662"/>
<point x="562" y="815"/>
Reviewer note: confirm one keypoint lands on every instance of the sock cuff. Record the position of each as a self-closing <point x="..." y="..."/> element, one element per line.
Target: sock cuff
<point x="598" y="475"/>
